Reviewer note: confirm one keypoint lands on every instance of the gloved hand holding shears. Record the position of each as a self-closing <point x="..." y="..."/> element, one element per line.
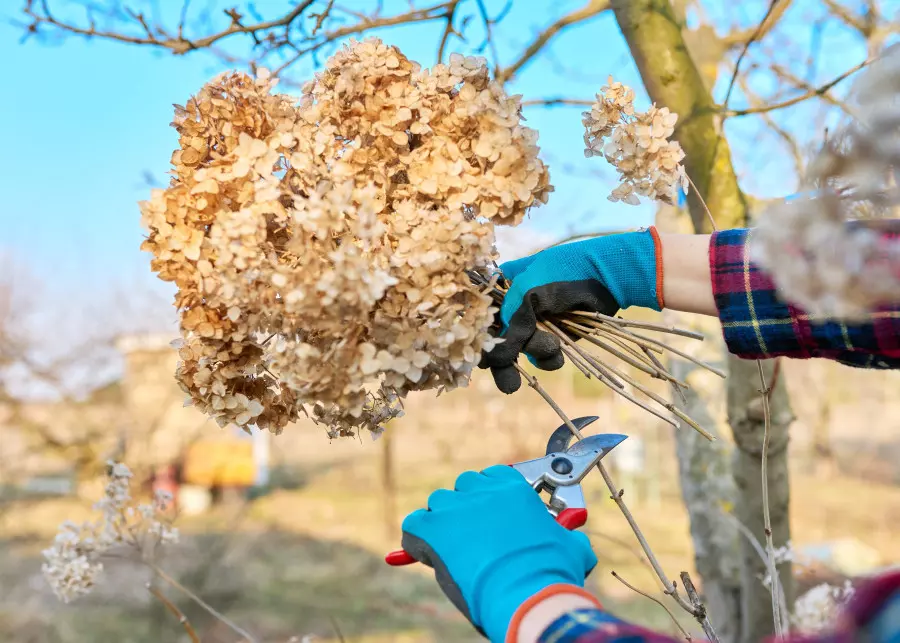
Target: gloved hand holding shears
<point x="496" y="547"/>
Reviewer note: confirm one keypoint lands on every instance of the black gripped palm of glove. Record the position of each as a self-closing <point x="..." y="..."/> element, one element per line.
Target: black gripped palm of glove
<point x="603" y="275"/>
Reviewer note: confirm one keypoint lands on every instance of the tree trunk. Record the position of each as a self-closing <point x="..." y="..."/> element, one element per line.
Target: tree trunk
<point x="704" y="467"/>
<point x="654" y="35"/>
<point x="745" y="414"/>
<point x="707" y="487"/>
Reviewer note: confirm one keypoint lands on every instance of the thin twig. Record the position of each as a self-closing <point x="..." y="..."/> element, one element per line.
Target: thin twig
<point x="639" y="339"/>
<point x="616" y="495"/>
<point x="557" y="102"/>
<point x="448" y="29"/>
<point x="767" y="519"/>
<point x="320" y="18"/>
<point x="488" y="32"/>
<point x="336" y="628"/>
<point x="753" y="38"/>
<point x="758" y="548"/>
<point x="183" y="18"/>
<point x="662" y="328"/>
<point x="694" y="597"/>
<point x="641" y="366"/>
<point x="666" y="404"/>
<point x="712" y="221"/>
<point x="603" y="369"/>
<point x="177" y="613"/>
<point x="576" y="361"/>
<point x="589" y="10"/>
<point x="655" y="600"/>
<point x="817" y="91"/>
<point x="177" y="45"/>
<point x="209" y="608"/>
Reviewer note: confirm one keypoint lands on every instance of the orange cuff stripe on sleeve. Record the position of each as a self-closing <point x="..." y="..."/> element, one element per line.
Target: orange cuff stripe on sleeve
<point x="512" y="631"/>
<point x="657" y="244"/>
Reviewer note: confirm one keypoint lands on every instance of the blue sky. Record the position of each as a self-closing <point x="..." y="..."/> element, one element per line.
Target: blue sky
<point x="84" y="121"/>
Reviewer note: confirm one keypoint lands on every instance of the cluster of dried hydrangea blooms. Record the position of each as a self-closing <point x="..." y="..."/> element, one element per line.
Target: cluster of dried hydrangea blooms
<point x="636" y="143"/>
<point x="817" y="260"/>
<point x="819" y="609"/>
<point x="73" y="563"/>
<point x="321" y="249"/>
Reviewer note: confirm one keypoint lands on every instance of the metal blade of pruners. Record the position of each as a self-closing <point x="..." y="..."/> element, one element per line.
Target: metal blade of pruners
<point x="562" y="437"/>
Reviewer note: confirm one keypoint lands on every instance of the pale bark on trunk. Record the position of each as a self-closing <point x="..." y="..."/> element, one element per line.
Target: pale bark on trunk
<point x="654" y="35"/>
<point x="745" y="414"/>
<point x="704" y="467"/>
<point x="707" y="487"/>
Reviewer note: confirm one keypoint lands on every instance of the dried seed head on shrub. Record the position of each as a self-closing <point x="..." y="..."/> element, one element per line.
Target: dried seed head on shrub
<point x="320" y="248"/>
<point x="816" y="260"/>
<point x="73" y="563"/>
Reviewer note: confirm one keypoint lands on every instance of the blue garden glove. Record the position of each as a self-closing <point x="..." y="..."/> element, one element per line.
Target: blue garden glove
<point x="493" y="544"/>
<point x="602" y="275"/>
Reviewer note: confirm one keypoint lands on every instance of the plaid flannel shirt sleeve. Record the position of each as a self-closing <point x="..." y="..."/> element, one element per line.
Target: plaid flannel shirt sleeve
<point x="758" y="325"/>
<point x="873" y="614"/>
<point x="593" y="625"/>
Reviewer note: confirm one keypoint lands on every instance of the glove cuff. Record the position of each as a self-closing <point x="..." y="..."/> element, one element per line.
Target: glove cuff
<point x="630" y="266"/>
<point x="658" y="251"/>
<point x="512" y="632"/>
<point x="638" y="278"/>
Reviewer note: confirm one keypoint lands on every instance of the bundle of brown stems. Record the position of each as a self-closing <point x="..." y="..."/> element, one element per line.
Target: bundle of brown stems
<point x="616" y="337"/>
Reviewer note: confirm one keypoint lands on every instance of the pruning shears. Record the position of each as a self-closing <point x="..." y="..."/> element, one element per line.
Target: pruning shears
<point x="559" y="474"/>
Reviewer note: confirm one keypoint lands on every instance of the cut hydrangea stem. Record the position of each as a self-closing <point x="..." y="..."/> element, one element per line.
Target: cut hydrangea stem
<point x="697" y="610"/>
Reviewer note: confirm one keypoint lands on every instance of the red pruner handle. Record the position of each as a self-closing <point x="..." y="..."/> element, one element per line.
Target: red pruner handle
<point x="399" y="558"/>
<point x="571" y="518"/>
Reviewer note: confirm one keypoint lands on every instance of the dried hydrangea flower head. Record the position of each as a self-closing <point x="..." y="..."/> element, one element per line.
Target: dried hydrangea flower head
<point x="636" y="143"/>
<point x="816" y="259"/>
<point x="819" y="608"/>
<point x="73" y="562"/>
<point x="321" y="248"/>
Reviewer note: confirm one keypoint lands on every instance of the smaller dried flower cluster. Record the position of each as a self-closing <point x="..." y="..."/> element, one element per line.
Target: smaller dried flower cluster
<point x="636" y="143"/>
<point x="817" y="610"/>
<point x="817" y="260"/>
<point x="73" y="563"/>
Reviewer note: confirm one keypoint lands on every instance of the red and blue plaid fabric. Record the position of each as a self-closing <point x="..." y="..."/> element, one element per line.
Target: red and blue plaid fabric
<point x="596" y="626"/>
<point x="873" y="615"/>
<point x="758" y="325"/>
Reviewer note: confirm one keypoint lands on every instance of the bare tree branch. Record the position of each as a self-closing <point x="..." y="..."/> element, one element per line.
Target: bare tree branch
<point x="864" y="24"/>
<point x="448" y="29"/>
<point x="655" y="600"/>
<point x="769" y="19"/>
<point x="158" y="37"/>
<point x="591" y="9"/>
<point x="816" y="91"/>
<point x="320" y="17"/>
<point x="746" y="37"/>
<point x="788" y="76"/>
<point x="789" y="140"/>
<point x="489" y="30"/>
<point x="558" y="102"/>
<point x="368" y="23"/>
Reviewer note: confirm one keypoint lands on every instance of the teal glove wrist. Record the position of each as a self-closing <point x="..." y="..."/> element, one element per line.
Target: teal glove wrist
<point x="626" y="265"/>
<point x="493" y="544"/>
<point x="602" y="275"/>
